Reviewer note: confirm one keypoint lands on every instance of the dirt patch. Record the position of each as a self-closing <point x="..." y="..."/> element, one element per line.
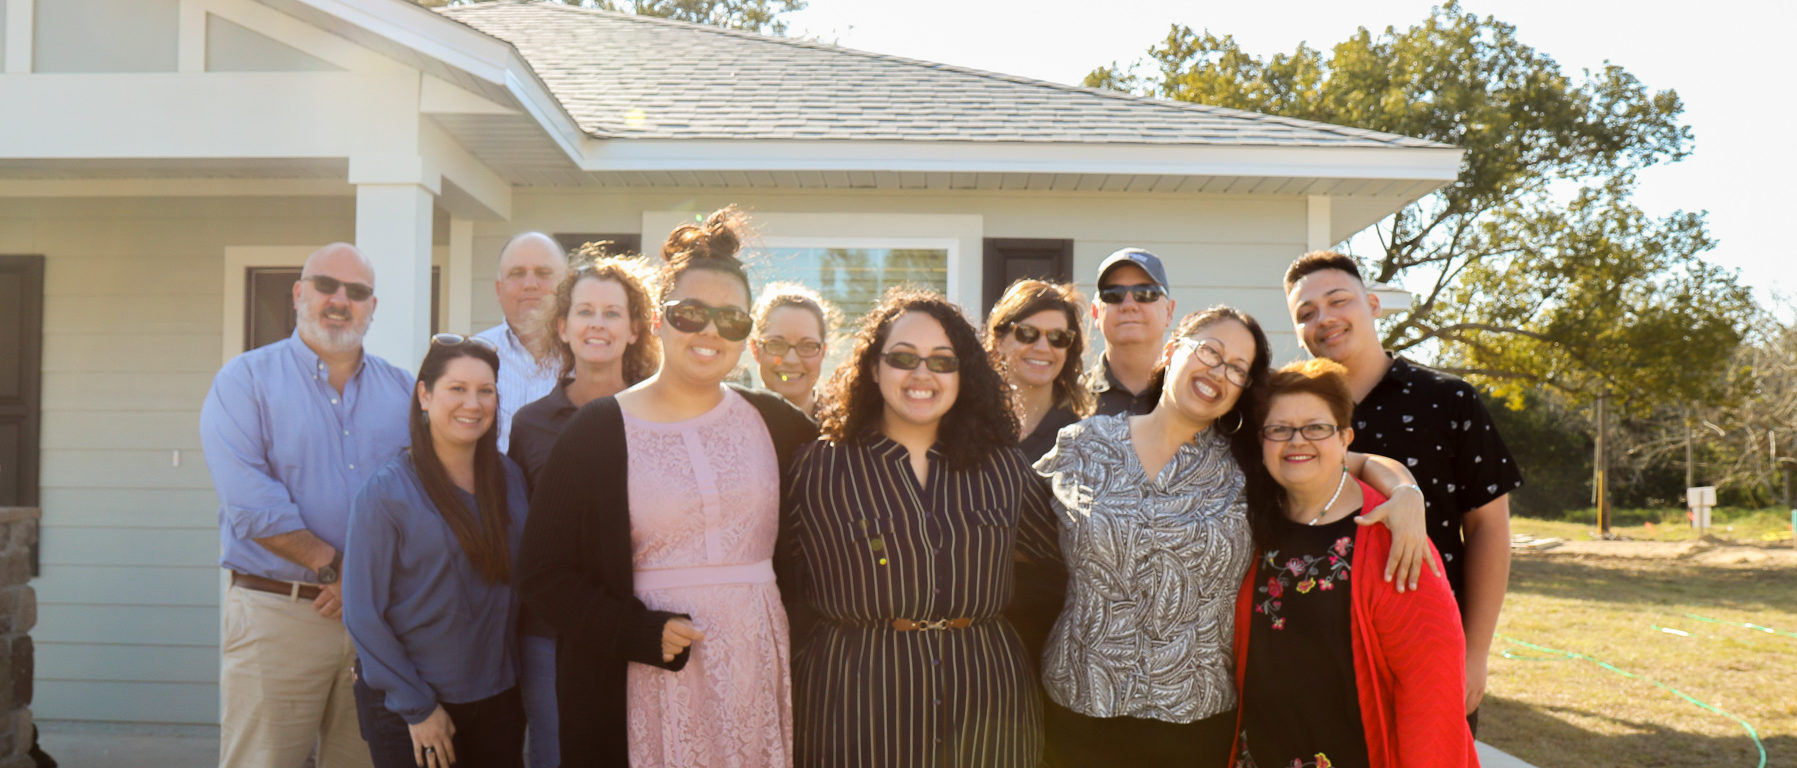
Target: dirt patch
<point x="1709" y="552"/>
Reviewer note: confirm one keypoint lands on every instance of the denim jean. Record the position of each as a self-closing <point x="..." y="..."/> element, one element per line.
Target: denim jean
<point x="488" y="733"/>
<point x="537" y="682"/>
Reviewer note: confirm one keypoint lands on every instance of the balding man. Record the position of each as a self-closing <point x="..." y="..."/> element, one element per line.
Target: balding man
<point x="530" y="267"/>
<point x="290" y="431"/>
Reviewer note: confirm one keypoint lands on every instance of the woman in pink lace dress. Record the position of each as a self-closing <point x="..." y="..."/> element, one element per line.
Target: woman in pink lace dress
<point x="651" y="539"/>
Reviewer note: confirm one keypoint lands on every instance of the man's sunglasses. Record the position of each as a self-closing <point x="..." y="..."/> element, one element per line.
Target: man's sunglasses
<point x="778" y="347"/>
<point x="1059" y="338"/>
<point x="329" y="285"/>
<point x="908" y="361"/>
<point x="453" y="339"/>
<point x="692" y="315"/>
<point x="1144" y="293"/>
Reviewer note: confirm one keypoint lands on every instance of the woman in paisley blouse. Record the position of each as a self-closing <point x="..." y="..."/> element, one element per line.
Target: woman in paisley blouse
<point x="1331" y="661"/>
<point x="1154" y="532"/>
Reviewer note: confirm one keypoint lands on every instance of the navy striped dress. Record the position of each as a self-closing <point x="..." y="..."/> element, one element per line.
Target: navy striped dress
<point x="875" y="545"/>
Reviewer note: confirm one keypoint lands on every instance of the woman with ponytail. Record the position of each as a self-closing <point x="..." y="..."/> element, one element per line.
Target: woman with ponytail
<point x="427" y="577"/>
<point x="652" y="535"/>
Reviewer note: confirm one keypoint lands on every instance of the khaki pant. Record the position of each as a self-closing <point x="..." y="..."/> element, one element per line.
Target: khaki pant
<point x="287" y="686"/>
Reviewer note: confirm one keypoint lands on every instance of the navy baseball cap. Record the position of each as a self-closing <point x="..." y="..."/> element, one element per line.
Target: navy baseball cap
<point x="1149" y="263"/>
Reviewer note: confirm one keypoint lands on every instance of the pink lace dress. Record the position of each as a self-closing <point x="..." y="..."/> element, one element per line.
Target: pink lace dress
<point x="704" y="510"/>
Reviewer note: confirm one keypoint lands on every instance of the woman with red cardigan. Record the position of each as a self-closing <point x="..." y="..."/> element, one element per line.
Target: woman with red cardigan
<point x="1335" y="667"/>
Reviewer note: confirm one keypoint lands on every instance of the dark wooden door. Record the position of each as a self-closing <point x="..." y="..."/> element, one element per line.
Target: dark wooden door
<point x="1009" y="259"/>
<point x="268" y="314"/>
<point x="21" y="376"/>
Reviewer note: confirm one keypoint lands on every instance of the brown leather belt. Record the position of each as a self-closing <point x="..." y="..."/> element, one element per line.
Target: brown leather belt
<point x="290" y="589"/>
<point x="908" y="625"/>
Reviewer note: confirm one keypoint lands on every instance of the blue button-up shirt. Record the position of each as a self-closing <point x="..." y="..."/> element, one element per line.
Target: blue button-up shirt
<point x="287" y="452"/>
<point x="521" y="380"/>
<point x="427" y="627"/>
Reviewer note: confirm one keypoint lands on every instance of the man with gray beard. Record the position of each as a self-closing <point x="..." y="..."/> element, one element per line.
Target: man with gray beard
<point x="290" y="431"/>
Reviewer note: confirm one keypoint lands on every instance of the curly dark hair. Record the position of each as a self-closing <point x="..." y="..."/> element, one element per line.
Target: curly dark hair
<point x="593" y="262"/>
<point x="1027" y="297"/>
<point x="982" y="419"/>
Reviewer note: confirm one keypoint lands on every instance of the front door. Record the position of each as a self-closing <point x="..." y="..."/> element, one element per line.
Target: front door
<point x="1009" y="259"/>
<point x="21" y="368"/>
<point x="268" y="314"/>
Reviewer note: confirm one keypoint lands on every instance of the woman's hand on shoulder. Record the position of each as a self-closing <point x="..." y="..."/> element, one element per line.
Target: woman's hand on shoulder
<point x="1403" y="515"/>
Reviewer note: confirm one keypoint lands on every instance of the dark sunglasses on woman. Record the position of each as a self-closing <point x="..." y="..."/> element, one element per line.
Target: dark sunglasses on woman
<point x="452" y="339"/>
<point x="908" y="361"/>
<point x="329" y="285"/>
<point x="1059" y="338"/>
<point x="692" y="315"/>
<point x="1143" y="293"/>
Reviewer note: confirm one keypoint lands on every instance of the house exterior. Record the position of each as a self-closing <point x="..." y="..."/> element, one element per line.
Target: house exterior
<point x="163" y="161"/>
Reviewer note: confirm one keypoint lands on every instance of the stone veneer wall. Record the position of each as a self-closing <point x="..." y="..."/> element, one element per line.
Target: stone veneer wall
<point x="18" y="614"/>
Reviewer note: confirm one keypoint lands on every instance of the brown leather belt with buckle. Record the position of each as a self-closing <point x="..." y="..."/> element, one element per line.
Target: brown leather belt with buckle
<point x="283" y="588"/>
<point x="908" y="625"/>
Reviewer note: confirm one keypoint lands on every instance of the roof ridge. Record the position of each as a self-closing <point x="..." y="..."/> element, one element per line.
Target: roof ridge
<point x="1187" y="106"/>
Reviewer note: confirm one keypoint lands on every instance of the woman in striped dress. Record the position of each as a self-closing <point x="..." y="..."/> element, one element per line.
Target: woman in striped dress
<point x="907" y="517"/>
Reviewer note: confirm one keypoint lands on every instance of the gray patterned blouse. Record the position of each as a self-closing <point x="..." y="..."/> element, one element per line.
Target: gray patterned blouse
<point x="1153" y="569"/>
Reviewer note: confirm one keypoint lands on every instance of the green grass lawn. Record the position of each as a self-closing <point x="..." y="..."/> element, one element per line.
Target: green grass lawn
<point x="1553" y="711"/>
<point x="1761" y="526"/>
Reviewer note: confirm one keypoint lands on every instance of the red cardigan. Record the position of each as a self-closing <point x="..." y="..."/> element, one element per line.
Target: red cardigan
<point x="1409" y="658"/>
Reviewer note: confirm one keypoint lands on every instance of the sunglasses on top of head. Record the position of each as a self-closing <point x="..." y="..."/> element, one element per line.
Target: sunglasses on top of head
<point x="908" y="361"/>
<point x="329" y="285"/>
<point x="1059" y="338"/>
<point x="692" y="315"/>
<point x="453" y="339"/>
<point x="1143" y="293"/>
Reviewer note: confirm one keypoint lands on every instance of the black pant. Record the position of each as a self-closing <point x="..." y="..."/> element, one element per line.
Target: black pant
<point x="1078" y="741"/>
<point x="488" y="733"/>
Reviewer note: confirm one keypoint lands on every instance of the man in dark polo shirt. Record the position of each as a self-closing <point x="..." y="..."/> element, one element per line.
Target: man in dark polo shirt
<point x="1433" y="422"/>
<point x="1132" y="311"/>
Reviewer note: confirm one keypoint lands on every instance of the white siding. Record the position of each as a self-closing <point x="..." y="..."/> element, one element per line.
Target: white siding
<point x="105" y="35"/>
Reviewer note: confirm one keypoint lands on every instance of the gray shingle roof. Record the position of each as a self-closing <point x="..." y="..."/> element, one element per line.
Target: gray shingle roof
<point x="625" y="76"/>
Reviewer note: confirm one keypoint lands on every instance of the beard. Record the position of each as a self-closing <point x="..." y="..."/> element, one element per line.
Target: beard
<point x="312" y="329"/>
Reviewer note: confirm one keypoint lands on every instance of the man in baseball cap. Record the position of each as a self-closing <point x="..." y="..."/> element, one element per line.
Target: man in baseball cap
<point x="1132" y="310"/>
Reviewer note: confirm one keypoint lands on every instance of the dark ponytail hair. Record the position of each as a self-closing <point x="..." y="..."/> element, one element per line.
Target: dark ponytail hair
<point x="487" y="541"/>
<point x="711" y="244"/>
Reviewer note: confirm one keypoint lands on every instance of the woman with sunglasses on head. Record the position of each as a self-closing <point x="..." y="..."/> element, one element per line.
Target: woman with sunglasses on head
<point x="906" y="517"/>
<point x="428" y="574"/>
<point x="792" y="333"/>
<point x="1334" y="667"/>
<point x="1154" y="534"/>
<point x="600" y="316"/>
<point x="652" y="530"/>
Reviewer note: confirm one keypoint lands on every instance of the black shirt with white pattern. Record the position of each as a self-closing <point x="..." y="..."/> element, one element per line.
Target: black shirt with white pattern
<point x="1435" y="423"/>
<point x="1113" y="397"/>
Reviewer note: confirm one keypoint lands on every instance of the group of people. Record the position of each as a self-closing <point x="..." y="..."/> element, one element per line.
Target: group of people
<point x="572" y="540"/>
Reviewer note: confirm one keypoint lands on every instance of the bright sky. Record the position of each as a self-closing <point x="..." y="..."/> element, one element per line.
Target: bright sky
<point x="1724" y="57"/>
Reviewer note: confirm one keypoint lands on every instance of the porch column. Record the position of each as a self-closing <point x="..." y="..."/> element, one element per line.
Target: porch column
<point x="393" y="227"/>
<point x="1317" y="224"/>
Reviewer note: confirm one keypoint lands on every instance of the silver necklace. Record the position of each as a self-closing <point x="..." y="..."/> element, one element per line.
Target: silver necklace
<point x="1339" y="485"/>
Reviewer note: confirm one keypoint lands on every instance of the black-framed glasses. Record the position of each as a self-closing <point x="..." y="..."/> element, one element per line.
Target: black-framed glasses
<point x="329" y="285"/>
<point x="452" y="339"/>
<point x="778" y="347"/>
<point x="1280" y="433"/>
<point x="908" y="361"/>
<point x="1059" y="338"/>
<point x="692" y="315"/>
<point x="1210" y="357"/>
<point x="1143" y="293"/>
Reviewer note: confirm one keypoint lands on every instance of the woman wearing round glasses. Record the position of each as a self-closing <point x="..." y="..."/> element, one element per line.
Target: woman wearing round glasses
<point x="652" y="531"/>
<point x="1330" y="659"/>
<point x="428" y="575"/>
<point x="792" y="332"/>
<point x="907" y="516"/>
<point x="1154" y="533"/>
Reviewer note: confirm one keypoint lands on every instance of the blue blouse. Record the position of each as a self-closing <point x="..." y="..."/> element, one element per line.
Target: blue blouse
<point x="426" y="626"/>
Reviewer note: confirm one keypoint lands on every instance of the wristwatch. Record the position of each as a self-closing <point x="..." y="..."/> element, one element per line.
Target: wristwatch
<point x="328" y="574"/>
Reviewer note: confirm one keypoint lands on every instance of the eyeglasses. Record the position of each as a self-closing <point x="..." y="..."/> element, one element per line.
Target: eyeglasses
<point x="778" y="347"/>
<point x="692" y="315"/>
<point x="1209" y="357"/>
<point x="1059" y="338"/>
<point x="1143" y="293"/>
<point x="1280" y="433"/>
<point x="908" y="361"/>
<point x="452" y="339"/>
<point x="329" y="285"/>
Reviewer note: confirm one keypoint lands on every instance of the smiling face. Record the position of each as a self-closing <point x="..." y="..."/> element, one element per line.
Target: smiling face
<point x="1199" y="392"/>
<point x="333" y="322"/>
<point x="791" y="372"/>
<point x="462" y="403"/>
<point x="1303" y="462"/>
<point x="1036" y="364"/>
<point x="1130" y="322"/>
<point x="702" y="357"/>
<point x="1333" y="314"/>
<point x="916" y="399"/>
<point x="597" y="327"/>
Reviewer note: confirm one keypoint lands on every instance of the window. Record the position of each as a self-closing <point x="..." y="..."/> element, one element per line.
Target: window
<point x="853" y="278"/>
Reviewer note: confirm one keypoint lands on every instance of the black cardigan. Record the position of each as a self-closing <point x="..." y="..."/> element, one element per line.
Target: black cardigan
<point x="575" y="570"/>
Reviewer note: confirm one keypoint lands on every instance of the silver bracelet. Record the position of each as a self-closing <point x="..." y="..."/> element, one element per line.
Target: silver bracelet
<point x="1411" y="486"/>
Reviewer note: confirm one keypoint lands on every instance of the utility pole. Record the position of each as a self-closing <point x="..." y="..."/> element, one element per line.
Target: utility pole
<point x="1600" y="481"/>
<point x="1690" y="465"/>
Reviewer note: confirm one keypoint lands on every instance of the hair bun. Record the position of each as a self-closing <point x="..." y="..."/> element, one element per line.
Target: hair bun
<point x="720" y="236"/>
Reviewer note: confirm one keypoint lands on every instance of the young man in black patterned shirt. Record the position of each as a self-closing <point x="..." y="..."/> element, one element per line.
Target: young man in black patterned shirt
<point x="1433" y="422"/>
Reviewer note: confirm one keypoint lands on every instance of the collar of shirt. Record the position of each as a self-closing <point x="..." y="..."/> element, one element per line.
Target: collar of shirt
<point x="886" y="447"/>
<point x="310" y="360"/>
